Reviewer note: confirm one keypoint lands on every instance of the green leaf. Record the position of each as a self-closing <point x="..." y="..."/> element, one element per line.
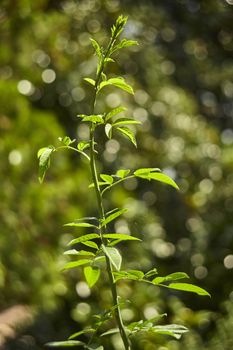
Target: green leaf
<point x="118" y="82"/>
<point x="93" y="118"/>
<point x="59" y="344"/>
<point x="77" y="263"/>
<point x="122" y="173"/>
<point x="78" y="252"/>
<point x="100" y="183"/>
<point x="90" y="244"/>
<point x="113" y="255"/>
<point x="84" y="238"/>
<point x="130" y="275"/>
<point x="110" y="332"/>
<point x="66" y="140"/>
<point x="155" y="174"/>
<point x="82" y="145"/>
<point x="128" y="133"/>
<point x="125" y="121"/>
<point x="80" y="224"/>
<point x="108" y="130"/>
<point x="121" y="236"/>
<point x="173" y="330"/>
<point x="113" y="216"/>
<point x="92" y="275"/>
<point x="84" y="331"/>
<point x="107" y="178"/>
<point x="44" y="161"/>
<point x="151" y="273"/>
<point x="145" y="172"/>
<point x="90" y="81"/>
<point x="125" y="43"/>
<point x="114" y="112"/>
<point x="97" y="48"/>
<point x="172" y="277"/>
<point x="164" y="178"/>
<point x="188" y="288"/>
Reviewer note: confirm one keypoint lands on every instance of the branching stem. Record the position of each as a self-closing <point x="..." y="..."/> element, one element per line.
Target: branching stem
<point x="101" y="207"/>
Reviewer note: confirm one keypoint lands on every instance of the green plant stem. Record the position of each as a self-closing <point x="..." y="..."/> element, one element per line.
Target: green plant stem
<point x="101" y="207"/>
<point x="102" y="231"/>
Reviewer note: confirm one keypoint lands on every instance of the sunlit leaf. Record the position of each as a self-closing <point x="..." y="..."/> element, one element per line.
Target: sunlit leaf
<point x="84" y="238"/>
<point x="84" y="331"/>
<point x="82" y="145"/>
<point x="122" y="173"/>
<point x="118" y="82"/>
<point x="62" y="344"/>
<point x="144" y="172"/>
<point x="44" y="161"/>
<point x="151" y="273"/>
<point x="164" y="178"/>
<point x="78" y="252"/>
<point x="107" y="178"/>
<point x="108" y="130"/>
<point x="90" y="244"/>
<point x="125" y="121"/>
<point x="130" y="275"/>
<point x="114" y="112"/>
<point x="92" y="275"/>
<point x="90" y="81"/>
<point x="113" y="255"/>
<point x="77" y="263"/>
<point x="113" y="216"/>
<point x="121" y="236"/>
<point x="97" y="48"/>
<point x="172" y="277"/>
<point x="79" y="224"/>
<point x="186" y="287"/>
<point x="128" y="133"/>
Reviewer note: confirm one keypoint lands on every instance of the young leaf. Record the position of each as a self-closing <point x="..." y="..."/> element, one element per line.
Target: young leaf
<point x="163" y="178"/>
<point x="92" y="275"/>
<point x="151" y="273"/>
<point x="66" y="140"/>
<point x="44" y="161"/>
<point x="173" y="330"/>
<point x="172" y="277"/>
<point x="82" y="145"/>
<point x="90" y="244"/>
<point x="113" y="255"/>
<point x="128" y="133"/>
<point x="113" y="216"/>
<point x="84" y="238"/>
<point x="188" y="288"/>
<point x="77" y="263"/>
<point x="145" y="172"/>
<point x="125" y="43"/>
<point x="108" y="130"/>
<point x="93" y="119"/>
<point x="62" y="344"/>
<point x="78" y="252"/>
<point x="121" y="236"/>
<point x="130" y="275"/>
<point x="110" y="332"/>
<point x="122" y="173"/>
<point x="97" y="48"/>
<point x="84" y="331"/>
<point x="107" y="178"/>
<point x="90" y="81"/>
<point x="118" y="82"/>
<point x="125" y="121"/>
<point x="114" y="112"/>
<point x="79" y="224"/>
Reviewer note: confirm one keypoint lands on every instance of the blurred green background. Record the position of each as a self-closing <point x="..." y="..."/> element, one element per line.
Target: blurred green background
<point x="182" y="76"/>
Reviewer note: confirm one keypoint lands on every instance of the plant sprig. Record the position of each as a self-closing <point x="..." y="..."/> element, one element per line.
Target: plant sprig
<point x="97" y="248"/>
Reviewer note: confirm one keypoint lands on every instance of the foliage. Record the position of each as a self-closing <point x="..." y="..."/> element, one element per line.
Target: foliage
<point x="103" y="242"/>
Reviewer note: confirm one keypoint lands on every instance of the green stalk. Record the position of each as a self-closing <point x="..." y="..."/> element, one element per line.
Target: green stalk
<point x="101" y="206"/>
